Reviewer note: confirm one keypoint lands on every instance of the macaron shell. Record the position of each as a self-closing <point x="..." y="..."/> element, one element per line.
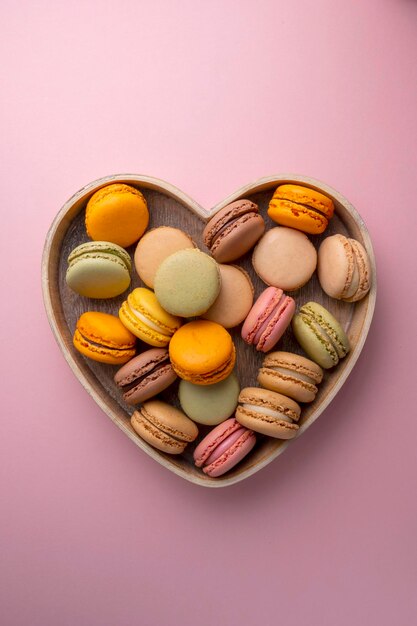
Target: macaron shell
<point x="285" y="258"/>
<point x="268" y="319"/>
<point x="364" y="269"/>
<point x="202" y="352"/>
<point x="329" y="324"/>
<point x="266" y="425"/>
<point x="306" y="196"/>
<point x="98" y="275"/>
<point x="209" y="404"/>
<point x="144" y="301"/>
<point x="235" y="298"/>
<point x="238" y="238"/>
<point x="291" y="375"/>
<point x="227" y="214"/>
<point x="117" y="213"/>
<point x="156" y="437"/>
<point x="232" y="456"/>
<point x="336" y="267"/>
<point x="187" y="283"/>
<point x="155" y="246"/>
<point x="170" y="419"/>
<point x="151" y="370"/>
<point x="312" y="341"/>
<point x="260" y="419"/>
<point x="296" y="216"/>
<point x="102" y="337"/>
<point x="213" y="439"/>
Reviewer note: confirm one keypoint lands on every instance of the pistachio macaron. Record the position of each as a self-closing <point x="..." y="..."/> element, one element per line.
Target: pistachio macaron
<point x="102" y="337"/>
<point x="142" y="314"/>
<point x="320" y="335"/>
<point x="117" y="213"/>
<point x="202" y="352"/>
<point x="268" y="412"/>
<point x="187" y="283"/>
<point x="290" y="374"/>
<point x="164" y="427"/>
<point x="209" y="404"/>
<point x="98" y="269"/>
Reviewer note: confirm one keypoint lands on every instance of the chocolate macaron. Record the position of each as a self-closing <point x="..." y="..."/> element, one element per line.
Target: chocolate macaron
<point x="234" y="230"/>
<point x="145" y="376"/>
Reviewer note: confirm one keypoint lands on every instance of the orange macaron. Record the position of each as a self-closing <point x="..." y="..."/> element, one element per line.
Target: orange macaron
<point x="302" y="208"/>
<point x="117" y="213"/>
<point x="102" y="337"/>
<point x="202" y="352"/>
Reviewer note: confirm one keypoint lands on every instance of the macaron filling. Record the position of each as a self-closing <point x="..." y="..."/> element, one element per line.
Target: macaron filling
<point x="130" y="388"/>
<point x="287" y="373"/>
<point x="265" y="411"/>
<point x="108" y="344"/>
<point x="303" y="208"/>
<point x="150" y="324"/>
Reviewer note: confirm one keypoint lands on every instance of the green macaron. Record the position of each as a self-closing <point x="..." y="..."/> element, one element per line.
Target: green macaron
<point x="209" y="404"/>
<point x="320" y="335"/>
<point x="187" y="283"/>
<point x="98" y="269"/>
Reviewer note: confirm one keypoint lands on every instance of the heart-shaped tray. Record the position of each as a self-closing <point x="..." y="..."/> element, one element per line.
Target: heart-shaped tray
<point x="170" y="206"/>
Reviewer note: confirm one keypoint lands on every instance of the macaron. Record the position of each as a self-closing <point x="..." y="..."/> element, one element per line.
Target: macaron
<point x="98" y="269"/>
<point x="268" y="412"/>
<point x="223" y="448"/>
<point x="164" y="427"/>
<point x="155" y="246"/>
<point x="285" y="258"/>
<point x="102" y="337"/>
<point x="187" y="283"/>
<point x="142" y="314"/>
<point x="146" y="375"/>
<point x="320" y="335"/>
<point x="235" y="298"/>
<point x="301" y="207"/>
<point x="209" y="404"/>
<point x="268" y="319"/>
<point x="117" y="213"/>
<point x="290" y="374"/>
<point x="343" y="268"/>
<point x="202" y="352"/>
<point x="233" y="230"/>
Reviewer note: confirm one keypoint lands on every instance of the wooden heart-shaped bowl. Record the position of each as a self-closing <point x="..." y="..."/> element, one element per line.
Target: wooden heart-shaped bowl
<point x="169" y="206"/>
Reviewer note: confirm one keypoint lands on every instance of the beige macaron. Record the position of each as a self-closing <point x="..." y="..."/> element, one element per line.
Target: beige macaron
<point x="284" y="258"/>
<point x="235" y="298"/>
<point x="343" y="268"/>
<point x="268" y="413"/>
<point x="164" y="427"/>
<point x="290" y="374"/>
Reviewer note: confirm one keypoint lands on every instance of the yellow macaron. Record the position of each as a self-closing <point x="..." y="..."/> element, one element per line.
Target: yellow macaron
<point x="117" y="213"/>
<point x="302" y="208"/>
<point x="202" y="352"/>
<point x="102" y="337"/>
<point x="142" y="314"/>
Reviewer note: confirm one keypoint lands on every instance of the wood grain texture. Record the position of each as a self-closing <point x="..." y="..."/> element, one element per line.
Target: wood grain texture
<point x="170" y="206"/>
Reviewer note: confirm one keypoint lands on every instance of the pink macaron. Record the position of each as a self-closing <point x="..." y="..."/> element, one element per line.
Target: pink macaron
<point x="268" y="319"/>
<point x="224" y="447"/>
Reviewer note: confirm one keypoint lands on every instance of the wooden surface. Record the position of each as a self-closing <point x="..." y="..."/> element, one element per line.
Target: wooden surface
<point x="169" y="206"/>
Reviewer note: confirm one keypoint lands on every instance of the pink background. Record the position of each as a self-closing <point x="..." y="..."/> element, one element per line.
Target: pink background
<point x="207" y="95"/>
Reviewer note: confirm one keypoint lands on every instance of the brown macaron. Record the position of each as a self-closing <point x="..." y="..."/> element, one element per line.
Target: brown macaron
<point x="234" y="230"/>
<point x="290" y="374"/>
<point x="164" y="427"/>
<point x="268" y="413"/>
<point x="144" y="376"/>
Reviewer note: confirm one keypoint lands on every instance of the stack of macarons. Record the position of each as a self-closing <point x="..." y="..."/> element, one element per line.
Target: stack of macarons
<point x="189" y="300"/>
